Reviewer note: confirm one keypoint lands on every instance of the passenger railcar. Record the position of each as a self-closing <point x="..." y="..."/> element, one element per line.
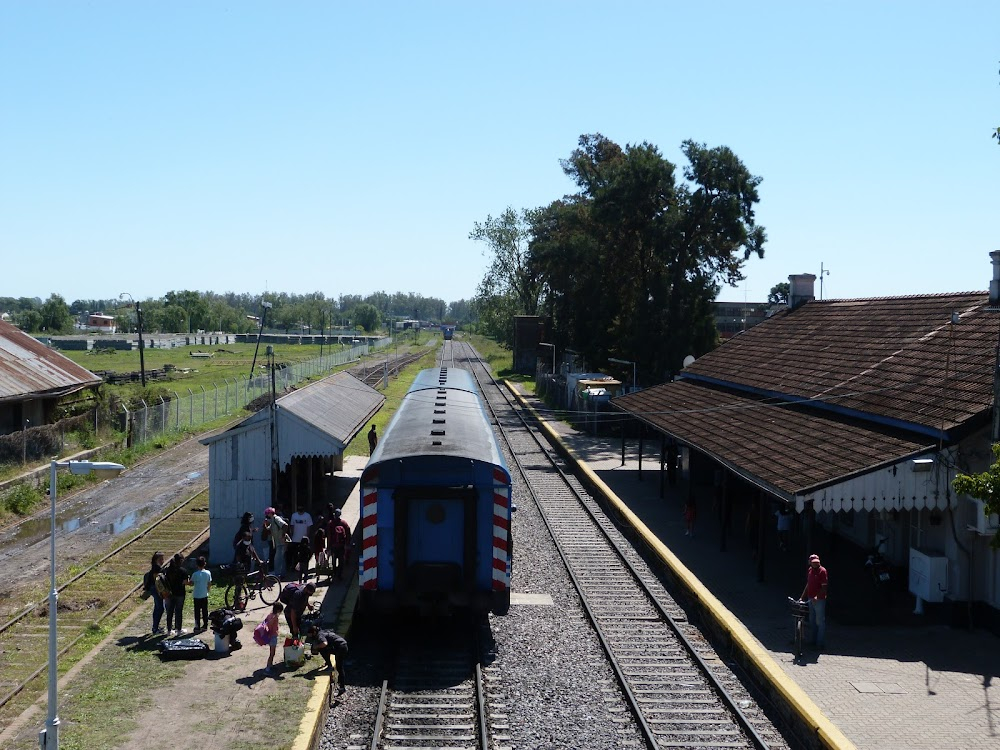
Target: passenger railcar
<point x="436" y="505"/>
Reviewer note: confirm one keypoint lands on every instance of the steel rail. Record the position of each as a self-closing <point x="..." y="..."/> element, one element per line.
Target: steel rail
<point x="127" y="596"/>
<point x="723" y="694"/>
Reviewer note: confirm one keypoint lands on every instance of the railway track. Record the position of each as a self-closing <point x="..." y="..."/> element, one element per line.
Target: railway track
<point x="372" y="374"/>
<point x="678" y="690"/>
<point x="434" y="696"/>
<point x="88" y="598"/>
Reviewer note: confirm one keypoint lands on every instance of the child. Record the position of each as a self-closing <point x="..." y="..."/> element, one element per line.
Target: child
<point x="272" y="631"/>
<point x="319" y="543"/>
<point x="201" y="582"/>
<point x="305" y="554"/>
<point x="690" y="514"/>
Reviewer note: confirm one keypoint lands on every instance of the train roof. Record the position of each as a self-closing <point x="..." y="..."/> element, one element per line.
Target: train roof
<point x="441" y="415"/>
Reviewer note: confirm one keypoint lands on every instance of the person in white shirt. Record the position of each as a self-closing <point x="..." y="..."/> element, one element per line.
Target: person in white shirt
<point x="300" y="522"/>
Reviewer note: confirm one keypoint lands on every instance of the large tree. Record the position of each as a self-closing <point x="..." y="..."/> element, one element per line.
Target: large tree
<point x="631" y="263"/>
<point x="511" y="285"/>
<point x="55" y="315"/>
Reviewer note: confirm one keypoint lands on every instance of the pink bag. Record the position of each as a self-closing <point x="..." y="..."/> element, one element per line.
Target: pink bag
<point x="261" y="636"/>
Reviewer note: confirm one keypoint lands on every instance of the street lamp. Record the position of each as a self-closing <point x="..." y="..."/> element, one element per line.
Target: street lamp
<point x="138" y="317"/>
<point x="626" y="362"/>
<point x="553" y="347"/>
<point x="48" y="738"/>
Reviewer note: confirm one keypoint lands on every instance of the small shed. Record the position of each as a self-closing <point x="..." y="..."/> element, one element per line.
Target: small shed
<point x="285" y="456"/>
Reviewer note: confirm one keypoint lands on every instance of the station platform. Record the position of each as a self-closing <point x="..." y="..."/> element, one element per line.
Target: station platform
<point x="910" y="684"/>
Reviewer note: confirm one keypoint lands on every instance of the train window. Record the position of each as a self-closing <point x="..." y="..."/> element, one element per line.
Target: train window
<point x="439" y="411"/>
<point x="437" y="432"/>
<point x="438" y="421"/>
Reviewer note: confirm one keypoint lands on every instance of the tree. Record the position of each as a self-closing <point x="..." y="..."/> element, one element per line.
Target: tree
<point x="631" y="263"/>
<point x="367" y="317"/>
<point x="511" y="278"/>
<point x="55" y="315"/>
<point x="984" y="486"/>
<point x="779" y="294"/>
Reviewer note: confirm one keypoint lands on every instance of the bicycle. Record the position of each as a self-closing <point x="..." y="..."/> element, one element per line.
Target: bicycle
<point x="246" y="586"/>
<point x="800" y="611"/>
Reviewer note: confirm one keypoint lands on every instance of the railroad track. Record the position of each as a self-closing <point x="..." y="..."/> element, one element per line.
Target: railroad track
<point x="434" y="696"/>
<point x="87" y="598"/>
<point x="680" y="693"/>
<point x="373" y="373"/>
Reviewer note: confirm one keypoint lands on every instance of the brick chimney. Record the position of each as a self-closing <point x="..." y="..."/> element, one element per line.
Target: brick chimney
<point x="801" y="289"/>
<point x="995" y="284"/>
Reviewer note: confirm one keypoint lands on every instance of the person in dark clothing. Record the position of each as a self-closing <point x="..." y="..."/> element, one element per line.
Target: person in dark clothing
<point x="149" y="585"/>
<point x="296" y="606"/>
<point x="372" y="440"/>
<point x="339" y="543"/>
<point x="305" y="552"/>
<point x="327" y="643"/>
<point x="244" y="553"/>
<point x="177" y="581"/>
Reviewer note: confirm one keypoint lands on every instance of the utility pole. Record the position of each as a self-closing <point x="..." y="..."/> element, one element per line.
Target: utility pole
<point x="138" y="317"/>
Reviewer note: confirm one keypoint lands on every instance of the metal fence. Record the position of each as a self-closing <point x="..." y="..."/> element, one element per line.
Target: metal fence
<point x="196" y="408"/>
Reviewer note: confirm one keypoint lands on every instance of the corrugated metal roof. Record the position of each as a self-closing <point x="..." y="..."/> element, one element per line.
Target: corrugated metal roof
<point x="29" y="368"/>
<point x="317" y="420"/>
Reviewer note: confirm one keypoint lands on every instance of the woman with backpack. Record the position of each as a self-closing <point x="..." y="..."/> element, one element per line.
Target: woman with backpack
<point x="149" y="586"/>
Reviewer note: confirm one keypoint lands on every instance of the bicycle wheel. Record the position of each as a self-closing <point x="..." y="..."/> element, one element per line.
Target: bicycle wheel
<point x="799" y="634"/>
<point x="236" y="597"/>
<point x="270" y="589"/>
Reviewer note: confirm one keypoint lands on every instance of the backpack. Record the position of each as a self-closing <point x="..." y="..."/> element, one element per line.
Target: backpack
<point x="339" y="536"/>
<point x="260" y="635"/>
<point x="285" y="597"/>
<point x="162" y="588"/>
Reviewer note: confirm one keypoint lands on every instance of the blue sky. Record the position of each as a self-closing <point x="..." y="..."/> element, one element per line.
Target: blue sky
<point x="349" y="148"/>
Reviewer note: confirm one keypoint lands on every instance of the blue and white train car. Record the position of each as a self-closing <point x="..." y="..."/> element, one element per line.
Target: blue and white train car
<point x="436" y="505"/>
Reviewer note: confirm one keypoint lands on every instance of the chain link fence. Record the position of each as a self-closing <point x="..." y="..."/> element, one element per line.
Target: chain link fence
<point x="198" y="407"/>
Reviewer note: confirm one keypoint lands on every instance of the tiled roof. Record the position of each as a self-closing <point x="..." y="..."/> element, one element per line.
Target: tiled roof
<point x="834" y="388"/>
<point x="789" y="449"/>
<point x="896" y="358"/>
<point x="29" y="368"/>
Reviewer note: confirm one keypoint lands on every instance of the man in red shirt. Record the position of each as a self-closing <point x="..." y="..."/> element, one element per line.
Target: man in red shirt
<point x="815" y="593"/>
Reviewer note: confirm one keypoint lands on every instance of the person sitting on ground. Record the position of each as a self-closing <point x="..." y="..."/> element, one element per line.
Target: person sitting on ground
<point x="327" y="643"/>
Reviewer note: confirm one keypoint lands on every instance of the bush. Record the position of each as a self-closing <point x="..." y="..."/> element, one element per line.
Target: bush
<point x="22" y="499"/>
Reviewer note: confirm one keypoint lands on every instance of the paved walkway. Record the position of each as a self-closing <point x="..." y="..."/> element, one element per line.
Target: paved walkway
<point x="916" y="685"/>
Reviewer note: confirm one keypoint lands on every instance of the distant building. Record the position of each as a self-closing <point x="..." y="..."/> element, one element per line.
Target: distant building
<point x="98" y="323"/>
<point x="735" y="317"/>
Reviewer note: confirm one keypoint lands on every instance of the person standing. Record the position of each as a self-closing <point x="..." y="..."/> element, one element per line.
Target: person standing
<point x="177" y="581"/>
<point x="339" y="543"/>
<point x="301" y="522"/>
<point x="372" y="440"/>
<point x="327" y="643"/>
<point x="815" y="593"/>
<point x="201" y="582"/>
<point x="784" y="526"/>
<point x="690" y="516"/>
<point x="304" y="550"/>
<point x="149" y="584"/>
<point x="244" y="552"/>
<point x="273" y="532"/>
<point x="272" y="625"/>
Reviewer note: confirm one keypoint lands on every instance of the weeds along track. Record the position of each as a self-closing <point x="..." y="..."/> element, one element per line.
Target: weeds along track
<point x="679" y="691"/>
<point x="87" y="598"/>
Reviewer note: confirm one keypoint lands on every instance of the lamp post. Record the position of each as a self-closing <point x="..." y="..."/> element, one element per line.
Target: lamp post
<point x="49" y="737"/>
<point x="553" y="347"/>
<point x="626" y="362"/>
<point x="138" y="317"/>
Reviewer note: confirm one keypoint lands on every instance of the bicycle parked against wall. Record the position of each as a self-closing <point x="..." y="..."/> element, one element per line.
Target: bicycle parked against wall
<point x="800" y="611"/>
<point x="245" y="587"/>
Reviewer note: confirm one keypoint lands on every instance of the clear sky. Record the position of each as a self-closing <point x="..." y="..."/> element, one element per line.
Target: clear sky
<point x="349" y="148"/>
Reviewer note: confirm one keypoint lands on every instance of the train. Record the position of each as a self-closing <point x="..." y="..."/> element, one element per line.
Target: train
<point x="436" y="505"/>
